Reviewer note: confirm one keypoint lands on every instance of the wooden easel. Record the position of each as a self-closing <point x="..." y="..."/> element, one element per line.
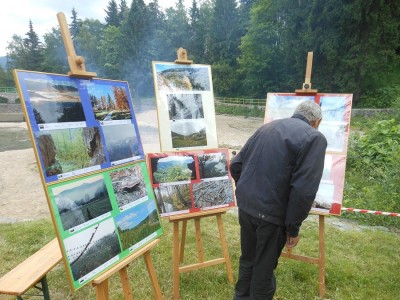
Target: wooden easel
<point x="179" y="246"/>
<point x="76" y="63"/>
<point x="101" y="282"/>
<point x="320" y="261"/>
<point x="77" y="66"/>
<point x="307" y="81"/>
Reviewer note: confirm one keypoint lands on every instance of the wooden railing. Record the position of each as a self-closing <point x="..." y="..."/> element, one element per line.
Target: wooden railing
<point x="241" y="101"/>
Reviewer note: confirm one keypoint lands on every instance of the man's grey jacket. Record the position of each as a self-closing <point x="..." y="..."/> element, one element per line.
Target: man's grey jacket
<point x="278" y="171"/>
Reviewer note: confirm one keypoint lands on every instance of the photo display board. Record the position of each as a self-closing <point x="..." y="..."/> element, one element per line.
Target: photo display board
<point x="92" y="166"/>
<point x="191" y="181"/>
<point x="335" y="125"/>
<point x="185" y="106"/>
<point x="79" y="125"/>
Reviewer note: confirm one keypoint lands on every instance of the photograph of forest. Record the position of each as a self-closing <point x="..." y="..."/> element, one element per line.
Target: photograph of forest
<point x="137" y="223"/>
<point x="213" y="165"/>
<point x="185" y="106"/>
<point x="80" y="201"/>
<point x="282" y="106"/>
<point x="212" y="193"/>
<point x="128" y="185"/>
<point x="121" y="142"/>
<point x="173" y="198"/>
<point x="91" y="248"/>
<point x="188" y="133"/>
<point x="172" y="168"/>
<point x="66" y="150"/>
<point x="109" y="102"/>
<point x="173" y="77"/>
<point x="54" y="101"/>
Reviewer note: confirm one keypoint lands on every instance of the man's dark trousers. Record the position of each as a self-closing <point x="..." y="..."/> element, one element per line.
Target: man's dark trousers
<point x="261" y="244"/>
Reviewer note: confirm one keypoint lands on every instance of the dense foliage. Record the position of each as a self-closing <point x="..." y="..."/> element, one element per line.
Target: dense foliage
<point x="254" y="46"/>
<point x="373" y="164"/>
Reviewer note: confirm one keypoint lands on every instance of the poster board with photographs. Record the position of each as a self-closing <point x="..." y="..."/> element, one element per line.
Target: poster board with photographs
<point x="185" y="106"/>
<point x="191" y="181"/>
<point x="102" y="218"/>
<point x="335" y="125"/>
<point x="79" y="125"/>
<point x="90" y="158"/>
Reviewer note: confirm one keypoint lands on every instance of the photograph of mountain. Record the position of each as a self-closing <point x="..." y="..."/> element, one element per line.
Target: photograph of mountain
<point x="188" y="133"/>
<point x="82" y="200"/>
<point x="121" y="142"/>
<point x="172" y="168"/>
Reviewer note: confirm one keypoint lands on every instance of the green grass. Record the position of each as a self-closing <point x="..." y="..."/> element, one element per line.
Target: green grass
<point x="360" y="264"/>
<point x="237" y="110"/>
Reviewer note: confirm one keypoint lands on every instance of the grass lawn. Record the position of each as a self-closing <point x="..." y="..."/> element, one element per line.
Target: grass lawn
<point x="360" y="263"/>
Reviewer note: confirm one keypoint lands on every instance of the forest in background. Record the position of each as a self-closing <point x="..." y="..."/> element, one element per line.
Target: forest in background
<point x="253" y="46"/>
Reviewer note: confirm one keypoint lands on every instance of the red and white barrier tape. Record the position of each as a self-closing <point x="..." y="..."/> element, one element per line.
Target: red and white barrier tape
<point x="375" y="212"/>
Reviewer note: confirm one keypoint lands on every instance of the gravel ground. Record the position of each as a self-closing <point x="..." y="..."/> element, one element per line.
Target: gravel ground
<point x="22" y="196"/>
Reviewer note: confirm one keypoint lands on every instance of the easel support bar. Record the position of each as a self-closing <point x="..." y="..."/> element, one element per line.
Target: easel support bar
<point x="76" y="63"/>
<point x="306" y="89"/>
<point x="320" y="261"/>
<point x="178" y="246"/>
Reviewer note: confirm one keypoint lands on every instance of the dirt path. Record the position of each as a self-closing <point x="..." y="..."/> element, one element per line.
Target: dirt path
<point x="22" y="196"/>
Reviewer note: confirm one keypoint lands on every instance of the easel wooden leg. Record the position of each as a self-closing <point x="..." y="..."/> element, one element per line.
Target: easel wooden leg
<point x="183" y="241"/>
<point x="225" y="248"/>
<point x="199" y="243"/>
<point x="322" y="290"/>
<point x="102" y="290"/>
<point x="126" y="287"/>
<point x="153" y="277"/>
<point x="175" y="257"/>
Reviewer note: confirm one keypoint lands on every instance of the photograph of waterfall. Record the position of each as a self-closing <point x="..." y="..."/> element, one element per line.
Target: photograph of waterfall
<point x="185" y="106"/>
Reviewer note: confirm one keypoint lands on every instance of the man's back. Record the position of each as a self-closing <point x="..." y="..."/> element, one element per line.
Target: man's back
<point x="280" y="162"/>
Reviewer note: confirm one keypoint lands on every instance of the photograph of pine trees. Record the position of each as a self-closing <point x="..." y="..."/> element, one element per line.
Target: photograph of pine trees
<point x="109" y="102"/>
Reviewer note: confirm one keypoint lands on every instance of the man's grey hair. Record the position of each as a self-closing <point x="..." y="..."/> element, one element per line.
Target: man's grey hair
<point x="310" y="110"/>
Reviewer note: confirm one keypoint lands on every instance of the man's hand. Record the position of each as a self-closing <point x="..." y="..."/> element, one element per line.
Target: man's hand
<point x="291" y="242"/>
